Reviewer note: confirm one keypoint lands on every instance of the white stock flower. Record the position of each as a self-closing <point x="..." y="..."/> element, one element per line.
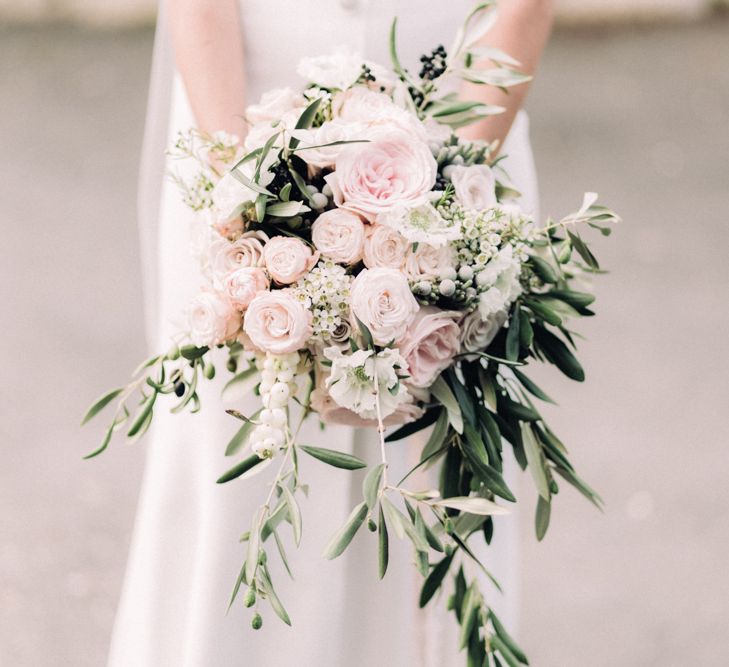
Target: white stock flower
<point x="357" y="378"/>
<point x="501" y="279"/>
<point x="421" y="224"/>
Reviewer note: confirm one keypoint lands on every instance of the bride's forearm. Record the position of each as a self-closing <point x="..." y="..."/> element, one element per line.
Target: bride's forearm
<point x="208" y="45"/>
<point x="521" y="30"/>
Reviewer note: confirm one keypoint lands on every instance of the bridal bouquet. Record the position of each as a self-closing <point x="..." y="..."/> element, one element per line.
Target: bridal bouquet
<point x="364" y="265"/>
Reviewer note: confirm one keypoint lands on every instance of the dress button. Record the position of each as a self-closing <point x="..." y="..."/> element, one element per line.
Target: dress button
<point x="349" y="4"/>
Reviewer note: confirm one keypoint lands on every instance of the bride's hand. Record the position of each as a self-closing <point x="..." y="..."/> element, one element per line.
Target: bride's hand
<point x="521" y="30"/>
<point x="208" y="44"/>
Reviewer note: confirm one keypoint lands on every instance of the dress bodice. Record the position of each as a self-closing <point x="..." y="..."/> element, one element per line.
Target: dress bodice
<point x="277" y="34"/>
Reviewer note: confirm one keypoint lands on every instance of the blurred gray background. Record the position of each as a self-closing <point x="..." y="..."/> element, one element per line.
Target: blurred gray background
<point x="640" y="113"/>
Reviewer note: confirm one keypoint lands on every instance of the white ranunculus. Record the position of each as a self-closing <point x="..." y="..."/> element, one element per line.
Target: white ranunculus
<point x="475" y="186"/>
<point x="336" y="71"/>
<point x="477" y="333"/>
<point x="356" y="379"/>
<point x="375" y="110"/>
<point x="273" y="105"/>
<point x="322" y="155"/>
<point x="421" y="224"/>
<point x="501" y="276"/>
<point x="381" y="299"/>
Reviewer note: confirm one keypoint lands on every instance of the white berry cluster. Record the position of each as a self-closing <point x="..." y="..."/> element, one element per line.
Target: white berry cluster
<point x="325" y="292"/>
<point x="278" y="375"/>
<point x="485" y="235"/>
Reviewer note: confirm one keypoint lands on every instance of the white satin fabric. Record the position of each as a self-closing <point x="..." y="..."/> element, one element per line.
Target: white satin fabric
<point x="185" y="553"/>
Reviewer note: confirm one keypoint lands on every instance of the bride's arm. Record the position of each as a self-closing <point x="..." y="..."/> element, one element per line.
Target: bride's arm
<point x="521" y="30"/>
<point x="208" y="45"/>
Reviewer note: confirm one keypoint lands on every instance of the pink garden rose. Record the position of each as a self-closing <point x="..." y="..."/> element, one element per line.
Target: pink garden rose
<point x="339" y="235"/>
<point x="431" y="342"/>
<point x="276" y="322"/>
<point x="382" y="300"/>
<point x="242" y="285"/>
<point x="212" y="319"/>
<point x="384" y="247"/>
<point x="287" y="259"/>
<point x="396" y="169"/>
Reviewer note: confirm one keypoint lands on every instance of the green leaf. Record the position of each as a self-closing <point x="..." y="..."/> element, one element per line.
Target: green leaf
<point x="143" y="416"/>
<point x="403" y="526"/>
<point x="498" y="644"/>
<point x="512" y="335"/>
<point x="306" y="119"/>
<point x="344" y="535"/>
<point x="287" y="209"/>
<point x="241" y="436"/>
<point x="490" y="477"/>
<point x="334" y="458"/>
<point x="371" y="485"/>
<point x="541" y="520"/>
<point x="101" y="404"/>
<point x="526" y="333"/>
<point x="396" y="66"/>
<point x="472" y="505"/>
<point x="413" y="427"/>
<point x="575" y="299"/>
<point x="273" y="599"/>
<point x="558" y="354"/>
<point x="534" y="459"/>
<point x="294" y="512"/>
<point x="581" y="247"/>
<point x="434" y="580"/>
<point x="581" y="486"/>
<point x="254" y="545"/>
<point x="281" y="552"/>
<point x="438" y="435"/>
<point x="104" y="443"/>
<point x="469" y="614"/>
<point x="191" y="352"/>
<point x="507" y="639"/>
<point x="244" y="466"/>
<point x="531" y="387"/>
<point x="543" y="312"/>
<point x="366" y="334"/>
<point x="543" y="269"/>
<point x="261" y="202"/>
<point x="383" y="544"/>
<point x="443" y="393"/>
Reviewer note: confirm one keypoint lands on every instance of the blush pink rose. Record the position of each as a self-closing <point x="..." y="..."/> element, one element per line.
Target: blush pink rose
<point x="396" y="169"/>
<point x="384" y="247"/>
<point x="431" y="342"/>
<point x="246" y="251"/>
<point x="242" y="285"/>
<point x="212" y="319"/>
<point x="287" y="259"/>
<point x="276" y="322"/>
<point x="339" y="235"/>
<point x="382" y="300"/>
<point x="428" y="262"/>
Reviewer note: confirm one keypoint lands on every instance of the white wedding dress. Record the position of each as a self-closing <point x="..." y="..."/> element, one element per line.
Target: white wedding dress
<point x="185" y="553"/>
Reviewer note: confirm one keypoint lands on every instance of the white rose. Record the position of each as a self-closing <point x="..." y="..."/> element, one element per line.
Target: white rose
<point x="381" y="299"/>
<point x="475" y="186"/>
<point x="384" y="247"/>
<point x="477" y="333"/>
<point x="212" y="319"/>
<point x="339" y="235"/>
<point x="429" y="262"/>
<point x="273" y="105"/>
<point x="336" y="71"/>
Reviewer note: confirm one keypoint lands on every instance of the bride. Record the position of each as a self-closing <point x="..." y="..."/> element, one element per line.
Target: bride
<point x="185" y="555"/>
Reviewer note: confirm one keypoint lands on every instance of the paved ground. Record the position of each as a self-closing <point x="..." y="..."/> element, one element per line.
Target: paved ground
<point x="643" y="116"/>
